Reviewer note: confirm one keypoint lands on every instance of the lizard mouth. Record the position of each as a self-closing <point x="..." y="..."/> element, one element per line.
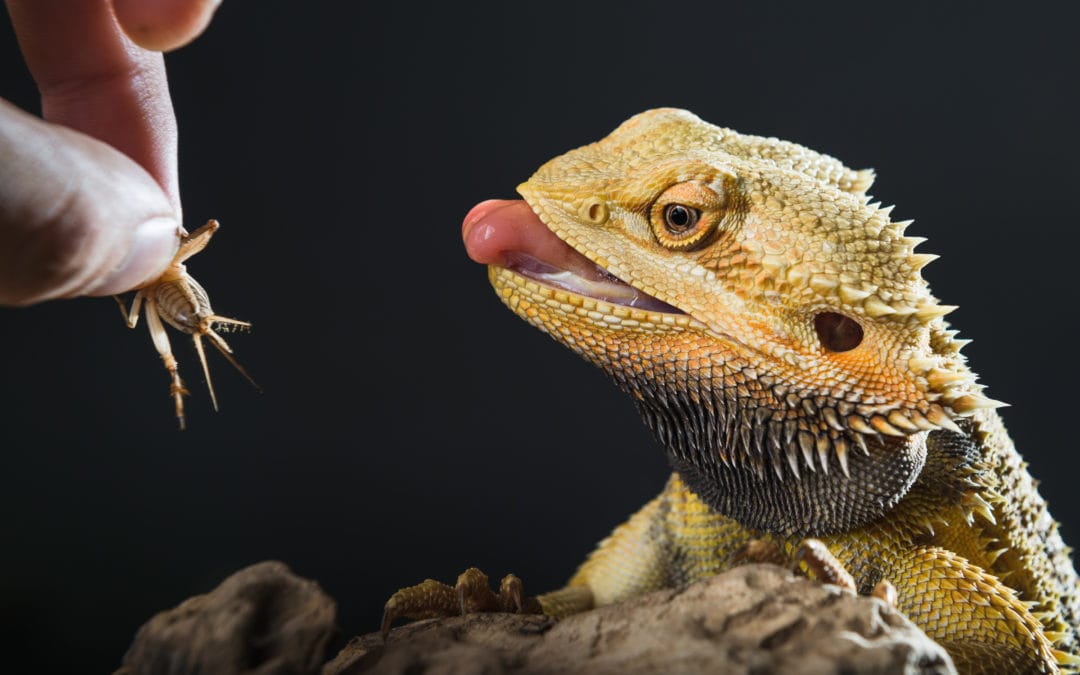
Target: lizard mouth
<point x="507" y="233"/>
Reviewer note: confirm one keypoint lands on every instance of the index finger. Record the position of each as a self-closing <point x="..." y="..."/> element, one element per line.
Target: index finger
<point x="94" y="79"/>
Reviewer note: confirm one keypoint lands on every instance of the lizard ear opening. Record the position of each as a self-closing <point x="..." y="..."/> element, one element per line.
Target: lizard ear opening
<point x="837" y="332"/>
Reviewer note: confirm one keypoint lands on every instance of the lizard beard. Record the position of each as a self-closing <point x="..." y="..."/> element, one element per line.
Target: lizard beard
<point x="740" y="464"/>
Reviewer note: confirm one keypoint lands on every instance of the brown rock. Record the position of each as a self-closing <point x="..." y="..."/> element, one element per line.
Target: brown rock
<point x="754" y="619"/>
<point x="263" y="620"/>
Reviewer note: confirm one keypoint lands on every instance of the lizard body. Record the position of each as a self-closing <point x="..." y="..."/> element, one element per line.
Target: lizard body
<point x="774" y="330"/>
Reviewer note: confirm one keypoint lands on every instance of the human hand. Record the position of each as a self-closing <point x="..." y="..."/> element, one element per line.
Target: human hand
<point x="89" y="197"/>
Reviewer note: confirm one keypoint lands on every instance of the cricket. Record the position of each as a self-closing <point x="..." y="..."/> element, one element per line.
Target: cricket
<point x="181" y="302"/>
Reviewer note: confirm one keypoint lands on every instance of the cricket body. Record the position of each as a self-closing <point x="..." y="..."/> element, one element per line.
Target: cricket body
<point x="774" y="330"/>
<point x="177" y="298"/>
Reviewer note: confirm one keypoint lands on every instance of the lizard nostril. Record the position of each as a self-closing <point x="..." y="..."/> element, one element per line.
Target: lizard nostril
<point x="837" y="332"/>
<point x="595" y="210"/>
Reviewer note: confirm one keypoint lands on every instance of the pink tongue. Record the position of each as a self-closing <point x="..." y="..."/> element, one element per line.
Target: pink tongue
<point x="495" y="230"/>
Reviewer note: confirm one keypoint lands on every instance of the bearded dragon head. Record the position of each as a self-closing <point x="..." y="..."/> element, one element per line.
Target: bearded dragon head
<point x="770" y="322"/>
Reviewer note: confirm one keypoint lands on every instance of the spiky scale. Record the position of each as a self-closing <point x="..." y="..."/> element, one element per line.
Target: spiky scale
<point x="902" y="421"/>
<point x="929" y="312"/>
<point x="940" y="378"/>
<point x="971" y="402"/>
<point x="840" y="447"/>
<point x="940" y="418"/>
<point x="881" y="425"/>
<point x="921" y="260"/>
<point x="852" y="296"/>
<point x="875" y="307"/>
<point x="832" y="419"/>
<point x="859" y="424"/>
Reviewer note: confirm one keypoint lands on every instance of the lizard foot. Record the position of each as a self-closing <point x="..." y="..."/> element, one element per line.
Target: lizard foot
<point x="822" y="565"/>
<point x="433" y="599"/>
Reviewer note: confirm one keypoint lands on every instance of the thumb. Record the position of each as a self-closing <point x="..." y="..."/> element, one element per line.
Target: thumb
<point x="77" y="217"/>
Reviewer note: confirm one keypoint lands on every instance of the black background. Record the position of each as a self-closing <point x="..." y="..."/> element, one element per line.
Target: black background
<point x="412" y="426"/>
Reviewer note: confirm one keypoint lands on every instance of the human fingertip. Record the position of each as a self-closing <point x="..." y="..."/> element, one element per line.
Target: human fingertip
<point x="153" y="246"/>
<point x="164" y="25"/>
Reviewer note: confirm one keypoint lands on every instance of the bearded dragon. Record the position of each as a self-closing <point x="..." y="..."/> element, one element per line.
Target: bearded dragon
<point x="774" y="330"/>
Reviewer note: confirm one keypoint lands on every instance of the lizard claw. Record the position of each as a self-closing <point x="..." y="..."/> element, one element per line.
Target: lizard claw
<point x="512" y="589"/>
<point x="822" y="565"/>
<point x="886" y="592"/>
<point x="433" y="599"/>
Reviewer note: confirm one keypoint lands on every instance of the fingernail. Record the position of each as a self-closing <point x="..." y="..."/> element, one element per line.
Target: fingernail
<point x="153" y="247"/>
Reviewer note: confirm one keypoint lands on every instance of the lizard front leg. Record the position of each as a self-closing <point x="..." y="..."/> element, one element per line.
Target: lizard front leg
<point x="625" y="564"/>
<point x="629" y="562"/>
<point x="979" y="620"/>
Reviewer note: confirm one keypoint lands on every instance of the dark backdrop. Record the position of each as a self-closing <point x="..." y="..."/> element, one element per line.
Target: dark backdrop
<point x="412" y="426"/>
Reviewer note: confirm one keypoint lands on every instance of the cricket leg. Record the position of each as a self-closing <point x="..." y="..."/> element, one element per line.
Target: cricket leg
<point x="161" y="343"/>
<point x="196" y="241"/>
<point x="206" y="369"/>
<point x="131" y="317"/>
<point x="226" y="351"/>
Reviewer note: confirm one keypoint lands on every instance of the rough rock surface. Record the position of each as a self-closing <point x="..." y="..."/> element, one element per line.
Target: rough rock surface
<point x="754" y="619"/>
<point x="758" y="619"/>
<point x="263" y="620"/>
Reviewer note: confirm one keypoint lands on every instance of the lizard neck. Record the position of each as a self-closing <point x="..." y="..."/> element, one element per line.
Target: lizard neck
<point x="814" y="505"/>
<point x="750" y="470"/>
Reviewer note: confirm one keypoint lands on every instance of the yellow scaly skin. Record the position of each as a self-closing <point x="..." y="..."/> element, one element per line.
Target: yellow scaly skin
<point x="804" y="384"/>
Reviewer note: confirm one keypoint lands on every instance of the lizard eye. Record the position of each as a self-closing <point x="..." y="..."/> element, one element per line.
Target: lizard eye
<point x="837" y="332"/>
<point x="686" y="215"/>
<point x="678" y="218"/>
